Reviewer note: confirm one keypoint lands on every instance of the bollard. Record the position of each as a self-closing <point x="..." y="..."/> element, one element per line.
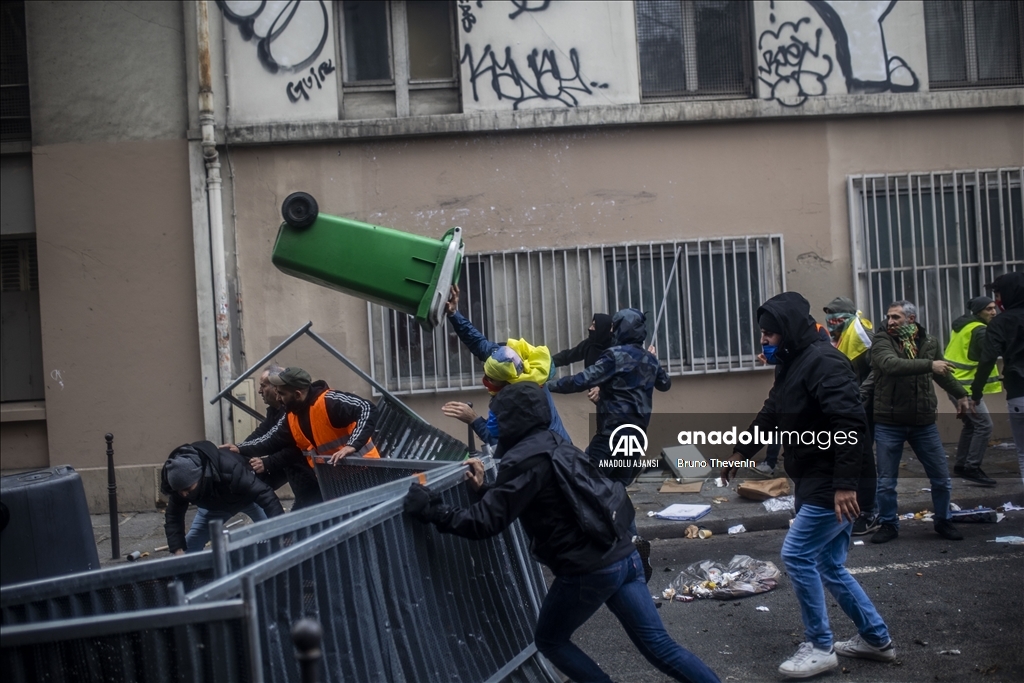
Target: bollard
<point x="218" y="544"/>
<point x="306" y="635"/>
<point x="115" y="528"/>
<point x="472" y="435"/>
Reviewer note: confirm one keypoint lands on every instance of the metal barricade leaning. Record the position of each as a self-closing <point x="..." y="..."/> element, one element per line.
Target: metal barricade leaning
<point x="210" y="642"/>
<point x="144" y="585"/>
<point x="400" y="433"/>
<point x="103" y="591"/>
<point x="399" y="601"/>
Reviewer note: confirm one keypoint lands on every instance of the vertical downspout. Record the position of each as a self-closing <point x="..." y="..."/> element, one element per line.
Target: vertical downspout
<point x="216" y="213"/>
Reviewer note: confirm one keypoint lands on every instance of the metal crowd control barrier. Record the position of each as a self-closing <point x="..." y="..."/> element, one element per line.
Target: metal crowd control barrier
<point x="399" y="601"/>
<point x="144" y="585"/>
<point x="210" y="642"/>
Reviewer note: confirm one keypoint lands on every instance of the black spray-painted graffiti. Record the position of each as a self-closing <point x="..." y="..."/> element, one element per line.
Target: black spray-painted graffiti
<point x="527" y="6"/>
<point x="543" y="80"/>
<point x="794" y="64"/>
<point x="468" y="18"/>
<point x="301" y="88"/>
<point x="291" y="34"/>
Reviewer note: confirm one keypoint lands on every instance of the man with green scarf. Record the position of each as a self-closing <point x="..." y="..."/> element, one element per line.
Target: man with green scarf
<point x="906" y="359"/>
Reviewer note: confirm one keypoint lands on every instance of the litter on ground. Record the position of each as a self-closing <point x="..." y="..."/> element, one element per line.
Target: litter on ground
<point x="743" y="576"/>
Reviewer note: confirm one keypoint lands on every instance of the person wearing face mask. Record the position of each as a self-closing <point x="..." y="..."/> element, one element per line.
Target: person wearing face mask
<point x="1005" y="337"/>
<point x="815" y="391"/>
<point x="219" y="483"/>
<point x="964" y="351"/>
<point x="905" y="360"/>
<point x="513" y="362"/>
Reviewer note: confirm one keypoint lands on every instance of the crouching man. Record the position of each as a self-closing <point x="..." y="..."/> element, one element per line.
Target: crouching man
<point x="216" y="481"/>
<point x="815" y="390"/>
<point x="590" y="570"/>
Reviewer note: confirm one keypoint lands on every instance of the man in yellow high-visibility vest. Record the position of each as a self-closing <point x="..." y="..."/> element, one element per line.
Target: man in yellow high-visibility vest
<point x="964" y="352"/>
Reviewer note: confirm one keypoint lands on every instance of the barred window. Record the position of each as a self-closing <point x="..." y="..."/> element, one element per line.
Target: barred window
<point x="702" y="294"/>
<point x="974" y="43"/>
<point x="15" y="121"/>
<point x="934" y="239"/>
<point x="694" y="48"/>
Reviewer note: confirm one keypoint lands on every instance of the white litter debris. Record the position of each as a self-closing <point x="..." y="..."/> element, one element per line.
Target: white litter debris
<point x="1012" y="540"/>
<point x="738" y="529"/>
<point x="858" y="542"/>
<point x="1010" y="507"/>
<point x="949" y="652"/>
<point x="762" y="608"/>
<point x="779" y="504"/>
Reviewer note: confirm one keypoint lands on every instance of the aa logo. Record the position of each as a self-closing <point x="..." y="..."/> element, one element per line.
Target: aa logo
<point x="628" y="441"/>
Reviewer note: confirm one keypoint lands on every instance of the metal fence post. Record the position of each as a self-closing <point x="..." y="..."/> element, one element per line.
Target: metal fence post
<point x="115" y="529"/>
<point x="252" y="628"/>
<point x="218" y="542"/>
<point x="472" y="437"/>
<point x="307" y="634"/>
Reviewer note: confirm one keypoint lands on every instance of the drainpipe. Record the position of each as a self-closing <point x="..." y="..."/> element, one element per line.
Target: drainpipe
<point x="216" y="213"/>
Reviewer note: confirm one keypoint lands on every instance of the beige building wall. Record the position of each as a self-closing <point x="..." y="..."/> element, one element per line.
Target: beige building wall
<point x="600" y="186"/>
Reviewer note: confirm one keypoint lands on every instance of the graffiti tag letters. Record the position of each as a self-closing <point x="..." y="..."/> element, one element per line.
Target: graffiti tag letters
<point x="300" y="89"/>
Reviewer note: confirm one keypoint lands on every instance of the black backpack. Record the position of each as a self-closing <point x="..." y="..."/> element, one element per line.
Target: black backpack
<point x="602" y="506"/>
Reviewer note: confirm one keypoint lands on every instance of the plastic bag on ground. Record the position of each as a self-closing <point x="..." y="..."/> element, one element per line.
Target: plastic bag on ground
<point x="743" y="576"/>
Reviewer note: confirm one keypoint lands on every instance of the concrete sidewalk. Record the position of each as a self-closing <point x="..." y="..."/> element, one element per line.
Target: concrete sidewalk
<point x="144" y="531"/>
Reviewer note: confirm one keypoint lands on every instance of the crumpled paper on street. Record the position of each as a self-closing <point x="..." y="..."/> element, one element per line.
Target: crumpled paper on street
<point x="779" y="504"/>
<point x="741" y="577"/>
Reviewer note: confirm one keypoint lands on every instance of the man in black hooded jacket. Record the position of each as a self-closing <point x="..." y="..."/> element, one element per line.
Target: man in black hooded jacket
<point x="815" y="405"/>
<point x="216" y="481"/>
<point x="1005" y="337"/>
<point x="588" y="573"/>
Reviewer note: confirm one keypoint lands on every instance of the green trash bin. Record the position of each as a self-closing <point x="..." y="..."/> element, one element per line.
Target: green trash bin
<point x="406" y="272"/>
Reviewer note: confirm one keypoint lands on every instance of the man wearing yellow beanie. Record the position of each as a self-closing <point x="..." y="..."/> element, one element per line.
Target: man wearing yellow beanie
<point x="509" y="363"/>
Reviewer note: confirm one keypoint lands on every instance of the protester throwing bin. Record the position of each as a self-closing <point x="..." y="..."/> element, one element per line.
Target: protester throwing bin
<point x="545" y="482"/>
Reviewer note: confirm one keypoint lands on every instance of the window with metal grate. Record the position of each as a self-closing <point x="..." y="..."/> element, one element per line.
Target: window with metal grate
<point x="934" y="239"/>
<point x="702" y="295"/>
<point x="974" y="43"/>
<point x="694" y="48"/>
<point x="15" y="121"/>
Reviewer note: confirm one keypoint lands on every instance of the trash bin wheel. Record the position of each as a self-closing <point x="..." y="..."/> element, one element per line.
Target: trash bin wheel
<point x="299" y="210"/>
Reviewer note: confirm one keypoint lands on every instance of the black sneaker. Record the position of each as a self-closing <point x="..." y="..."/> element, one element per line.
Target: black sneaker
<point x="958" y="469"/>
<point x="945" y="528"/>
<point x="865" y="524"/>
<point x="977" y="476"/>
<point x="885" y="533"/>
<point x="643" y="546"/>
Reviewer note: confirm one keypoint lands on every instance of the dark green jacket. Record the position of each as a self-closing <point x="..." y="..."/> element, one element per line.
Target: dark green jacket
<point x="904" y="394"/>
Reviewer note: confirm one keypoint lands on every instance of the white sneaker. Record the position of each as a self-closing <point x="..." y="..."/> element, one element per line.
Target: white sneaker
<point x="808" y="661"/>
<point x="858" y="647"/>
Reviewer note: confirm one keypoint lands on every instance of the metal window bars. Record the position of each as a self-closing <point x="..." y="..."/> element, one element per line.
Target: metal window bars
<point x="703" y="294"/>
<point x="933" y="238"/>
<point x="397" y="601"/>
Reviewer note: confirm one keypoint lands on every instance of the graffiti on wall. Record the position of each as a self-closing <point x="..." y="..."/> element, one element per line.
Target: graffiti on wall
<point x="516" y="73"/>
<point x="543" y="79"/>
<point x="290" y="36"/>
<point x="797" y="57"/>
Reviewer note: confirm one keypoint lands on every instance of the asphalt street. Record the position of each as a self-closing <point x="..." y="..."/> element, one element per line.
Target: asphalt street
<point x="935" y="596"/>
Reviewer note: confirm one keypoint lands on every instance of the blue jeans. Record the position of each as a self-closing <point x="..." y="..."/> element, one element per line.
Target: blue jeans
<point x="572" y="600"/>
<point x="927" y="446"/>
<point x="814" y="553"/>
<point x="199" y="533"/>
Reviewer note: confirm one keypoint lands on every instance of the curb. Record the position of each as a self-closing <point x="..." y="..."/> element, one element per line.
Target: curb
<point x="652" y="528"/>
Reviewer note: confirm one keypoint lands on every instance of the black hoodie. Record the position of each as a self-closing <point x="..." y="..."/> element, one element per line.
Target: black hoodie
<point x="526" y="489"/>
<point x="1005" y="337"/>
<point x="591" y="348"/>
<point x="815" y="393"/>
<point x="227" y="484"/>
